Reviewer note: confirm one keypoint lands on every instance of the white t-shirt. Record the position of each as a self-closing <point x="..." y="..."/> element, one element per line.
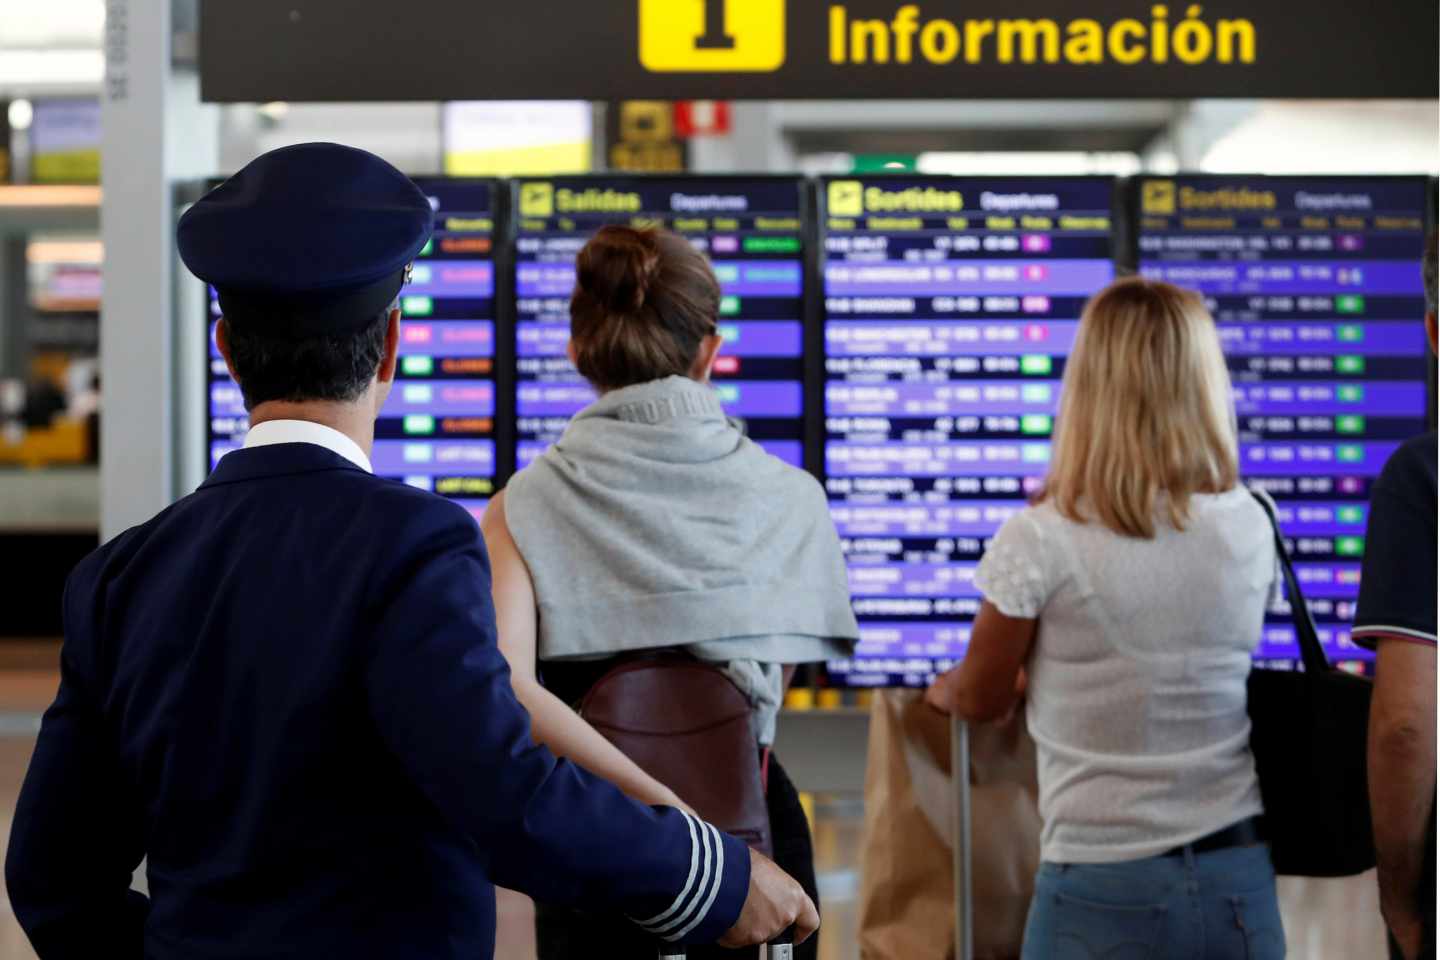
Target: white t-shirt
<point x="1137" y="678"/>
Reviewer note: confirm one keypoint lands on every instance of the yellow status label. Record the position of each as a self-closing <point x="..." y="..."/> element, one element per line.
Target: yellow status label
<point x="1158" y="196"/>
<point x="847" y="198"/>
<point x="537" y="200"/>
<point x="712" y="36"/>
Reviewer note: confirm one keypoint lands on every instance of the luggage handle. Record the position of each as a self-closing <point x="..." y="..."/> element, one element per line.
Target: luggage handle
<point x="961" y="816"/>
<point x="781" y="947"/>
<point x="1312" y="654"/>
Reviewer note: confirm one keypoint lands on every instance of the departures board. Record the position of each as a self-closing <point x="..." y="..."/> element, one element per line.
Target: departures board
<point x="437" y="429"/>
<point x="905" y="338"/>
<point x="1316" y="286"/>
<point x="752" y="229"/>
<point x="950" y="306"/>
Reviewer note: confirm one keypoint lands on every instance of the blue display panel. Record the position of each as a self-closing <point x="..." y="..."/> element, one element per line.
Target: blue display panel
<point x="752" y="230"/>
<point x="1316" y="286"/>
<point x="437" y="429"/>
<point x="950" y="306"/>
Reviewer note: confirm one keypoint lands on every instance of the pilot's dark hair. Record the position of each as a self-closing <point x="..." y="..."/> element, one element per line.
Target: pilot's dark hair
<point x="328" y="367"/>
<point x="643" y="302"/>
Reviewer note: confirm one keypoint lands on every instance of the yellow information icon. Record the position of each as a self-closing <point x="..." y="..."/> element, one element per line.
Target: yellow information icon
<point x="1158" y="197"/>
<point x="712" y="36"/>
<point x="537" y="200"/>
<point x="846" y="199"/>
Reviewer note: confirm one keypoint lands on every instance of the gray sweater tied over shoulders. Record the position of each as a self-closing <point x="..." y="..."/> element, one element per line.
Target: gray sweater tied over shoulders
<point x="654" y="522"/>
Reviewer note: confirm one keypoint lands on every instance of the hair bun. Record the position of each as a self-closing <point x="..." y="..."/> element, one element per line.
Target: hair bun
<point x="644" y="302"/>
<point x="618" y="267"/>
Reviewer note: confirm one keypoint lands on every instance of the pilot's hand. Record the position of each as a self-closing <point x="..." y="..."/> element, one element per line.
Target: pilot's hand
<point x="775" y="903"/>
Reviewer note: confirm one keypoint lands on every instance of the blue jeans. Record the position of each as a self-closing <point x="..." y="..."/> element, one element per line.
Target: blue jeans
<point x="1219" y="905"/>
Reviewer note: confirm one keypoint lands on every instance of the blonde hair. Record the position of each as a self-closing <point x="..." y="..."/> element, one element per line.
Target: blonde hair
<point x="1146" y="412"/>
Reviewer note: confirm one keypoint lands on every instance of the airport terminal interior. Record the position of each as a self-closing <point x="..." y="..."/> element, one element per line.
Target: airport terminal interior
<point x="901" y="284"/>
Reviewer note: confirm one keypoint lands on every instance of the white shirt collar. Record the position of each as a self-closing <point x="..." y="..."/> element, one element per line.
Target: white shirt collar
<point x="307" y="431"/>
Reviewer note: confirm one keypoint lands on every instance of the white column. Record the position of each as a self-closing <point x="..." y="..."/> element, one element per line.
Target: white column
<point x="156" y="134"/>
<point x="759" y="138"/>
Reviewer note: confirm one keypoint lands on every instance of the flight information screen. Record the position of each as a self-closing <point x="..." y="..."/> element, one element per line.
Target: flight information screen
<point x="436" y="431"/>
<point x="1316" y="286"/>
<point x="750" y="228"/>
<point x="950" y="306"/>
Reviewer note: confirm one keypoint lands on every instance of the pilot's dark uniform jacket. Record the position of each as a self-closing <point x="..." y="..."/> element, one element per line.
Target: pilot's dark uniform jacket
<point x="285" y="692"/>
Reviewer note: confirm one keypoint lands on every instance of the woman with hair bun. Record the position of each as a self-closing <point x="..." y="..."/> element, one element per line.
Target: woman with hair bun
<point x="653" y="524"/>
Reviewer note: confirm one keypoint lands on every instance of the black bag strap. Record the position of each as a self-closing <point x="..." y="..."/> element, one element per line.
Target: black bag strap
<point x="1312" y="654"/>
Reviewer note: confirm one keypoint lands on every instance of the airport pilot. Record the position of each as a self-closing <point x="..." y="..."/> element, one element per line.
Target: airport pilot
<point x="284" y="691"/>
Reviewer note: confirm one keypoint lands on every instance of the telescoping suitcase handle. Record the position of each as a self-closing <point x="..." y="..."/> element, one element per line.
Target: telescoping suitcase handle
<point x="781" y="948"/>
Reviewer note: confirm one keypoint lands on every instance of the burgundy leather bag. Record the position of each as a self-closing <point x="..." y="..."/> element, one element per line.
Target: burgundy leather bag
<point x="684" y="723"/>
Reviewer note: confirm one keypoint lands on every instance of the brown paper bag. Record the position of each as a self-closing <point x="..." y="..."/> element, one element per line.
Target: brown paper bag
<point x="1005" y="833"/>
<point x="907" y="895"/>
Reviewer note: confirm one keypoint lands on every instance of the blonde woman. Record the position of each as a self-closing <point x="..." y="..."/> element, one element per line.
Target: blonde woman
<point x="1125" y="605"/>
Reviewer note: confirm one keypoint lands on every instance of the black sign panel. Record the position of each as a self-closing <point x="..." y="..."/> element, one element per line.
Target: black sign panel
<point x="951" y="305"/>
<point x="1316" y="285"/>
<point x="318" y="50"/>
<point x="751" y="229"/>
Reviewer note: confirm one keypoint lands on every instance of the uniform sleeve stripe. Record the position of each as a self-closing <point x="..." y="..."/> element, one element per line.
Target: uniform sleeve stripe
<point x="714" y="888"/>
<point x="689" y="881"/>
<point x="1378" y="630"/>
<point x="700" y="890"/>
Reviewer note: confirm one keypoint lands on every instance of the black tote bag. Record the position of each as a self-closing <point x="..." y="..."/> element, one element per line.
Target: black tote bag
<point x="1308" y="731"/>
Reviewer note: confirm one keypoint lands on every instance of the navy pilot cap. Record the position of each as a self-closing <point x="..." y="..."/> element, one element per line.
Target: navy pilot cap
<point x="309" y="240"/>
